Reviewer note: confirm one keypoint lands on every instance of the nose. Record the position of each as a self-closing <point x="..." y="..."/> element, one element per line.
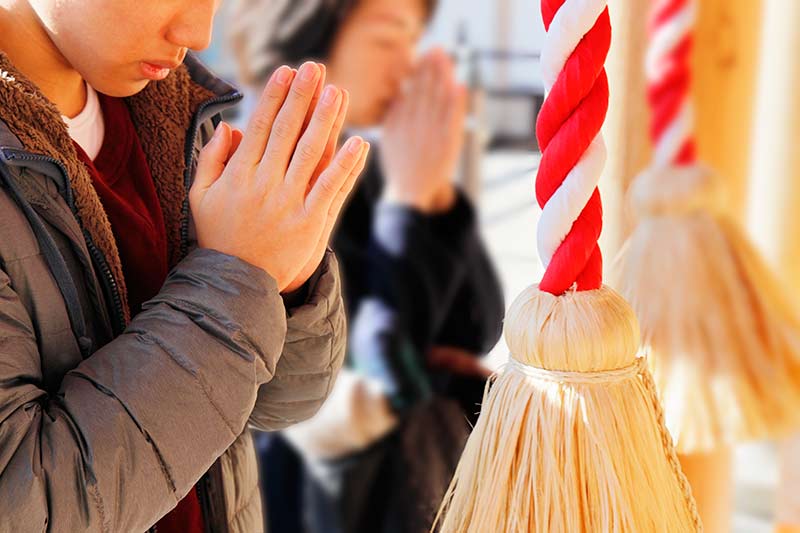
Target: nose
<point x="192" y="25"/>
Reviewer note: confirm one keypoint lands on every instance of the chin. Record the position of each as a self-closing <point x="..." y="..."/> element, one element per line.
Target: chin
<point x="121" y="89"/>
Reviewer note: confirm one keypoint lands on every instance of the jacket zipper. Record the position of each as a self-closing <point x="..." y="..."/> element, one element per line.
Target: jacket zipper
<point x="109" y="284"/>
<point x="188" y="152"/>
<point x="203" y="487"/>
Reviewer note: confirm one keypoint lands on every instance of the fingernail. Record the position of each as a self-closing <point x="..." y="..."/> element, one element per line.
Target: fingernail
<point x="354" y="145"/>
<point x="283" y="75"/>
<point x="329" y="95"/>
<point x="308" y="72"/>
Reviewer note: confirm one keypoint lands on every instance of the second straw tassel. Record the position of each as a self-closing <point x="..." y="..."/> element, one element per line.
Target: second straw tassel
<point x="571" y="435"/>
<point x="723" y="340"/>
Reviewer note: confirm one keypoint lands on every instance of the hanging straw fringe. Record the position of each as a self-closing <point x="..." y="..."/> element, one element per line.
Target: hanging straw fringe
<point x="579" y="450"/>
<point x="722" y="336"/>
<point x="724" y="342"/>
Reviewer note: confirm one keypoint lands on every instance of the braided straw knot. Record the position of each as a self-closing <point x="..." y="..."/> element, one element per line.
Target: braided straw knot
<point x="586" y="378"/>
<point x="677" y="190"/>
<point x="573" y="152"/>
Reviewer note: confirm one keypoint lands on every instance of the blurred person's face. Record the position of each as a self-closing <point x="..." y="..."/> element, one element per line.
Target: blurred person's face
<point x="373" y="53"/>
<point x="119" y="46"/>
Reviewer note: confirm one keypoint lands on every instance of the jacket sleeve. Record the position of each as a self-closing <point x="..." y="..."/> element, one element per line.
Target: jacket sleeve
<point x="474" y="322"/>
<point x="414" y="279"/>
<point x="312" y="354"/>
<point x="136" y="424"/>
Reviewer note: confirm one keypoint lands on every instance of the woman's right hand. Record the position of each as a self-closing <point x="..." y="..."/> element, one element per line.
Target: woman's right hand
<point x="268" y="196"/>
<point x="423" y="136"/>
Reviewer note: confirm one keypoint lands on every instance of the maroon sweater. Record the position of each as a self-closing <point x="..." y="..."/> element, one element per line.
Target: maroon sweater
<point x="122" y="179"/>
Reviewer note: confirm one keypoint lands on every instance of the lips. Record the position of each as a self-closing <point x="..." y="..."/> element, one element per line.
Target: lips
<point x="157" y="70"/>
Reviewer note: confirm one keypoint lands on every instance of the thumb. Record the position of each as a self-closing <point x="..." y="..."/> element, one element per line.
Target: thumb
<point x="212" y="158"/>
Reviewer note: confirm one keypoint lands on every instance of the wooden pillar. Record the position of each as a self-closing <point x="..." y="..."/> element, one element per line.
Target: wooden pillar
<point x="626" y="127"/>
<point x="724" y="67"/>
<point x="774" y="191"/>
<point x="775" y="168"/>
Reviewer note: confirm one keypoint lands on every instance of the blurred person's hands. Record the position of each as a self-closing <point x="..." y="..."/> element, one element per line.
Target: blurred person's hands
<point x="271" y="196"/>
<point x="423" y="137"/>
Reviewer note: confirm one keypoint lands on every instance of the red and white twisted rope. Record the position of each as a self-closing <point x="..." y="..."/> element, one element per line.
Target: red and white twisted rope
<point x="669" y="81"/>
<point x="573" y="152"/>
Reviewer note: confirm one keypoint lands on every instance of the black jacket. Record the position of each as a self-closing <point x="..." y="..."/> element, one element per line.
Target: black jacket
<point x="413" y="281"/>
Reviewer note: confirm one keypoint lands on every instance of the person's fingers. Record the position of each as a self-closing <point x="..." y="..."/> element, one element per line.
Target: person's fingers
<point x="446" y="75"/>
<point x="344" y="193"/>
<point x="400" y="109"/>
<point x="347" y="188"/>
<point x="236" y="140"/>
<point x="403" y="108"/>
<point x="457" y="110"/>
<point x="333" y="140"/>
<point x="441" y="91"/>
<point x="317" y="94"/>
<point x="425" y="92"/>
<point x="413" y="97"/>
<point x="335" y="176"/>
<point x="312" y="144"/>
<point x="287" y="126"/>
<point x="212" y="159"/>
<point x="260" y="125"/>
<point x="432" y="68"/>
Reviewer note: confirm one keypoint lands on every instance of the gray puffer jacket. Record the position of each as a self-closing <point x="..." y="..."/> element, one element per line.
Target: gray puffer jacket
<point x="107" y="422"/>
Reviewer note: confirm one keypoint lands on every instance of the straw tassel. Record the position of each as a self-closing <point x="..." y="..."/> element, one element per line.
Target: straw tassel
<point x="571" y="435"/>
<point x="722" y="337"/>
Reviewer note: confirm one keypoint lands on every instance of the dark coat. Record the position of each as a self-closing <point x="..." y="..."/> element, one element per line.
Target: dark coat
<point x="411" y="281"/>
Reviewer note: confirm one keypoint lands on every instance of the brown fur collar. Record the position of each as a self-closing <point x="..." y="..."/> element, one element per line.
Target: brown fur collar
<point x="162" y="113"/>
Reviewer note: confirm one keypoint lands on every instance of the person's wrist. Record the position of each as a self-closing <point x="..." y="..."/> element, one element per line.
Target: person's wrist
<point x="445" y="199"/>
<point x="412" y="199"/>
<point x="295" y="284"/>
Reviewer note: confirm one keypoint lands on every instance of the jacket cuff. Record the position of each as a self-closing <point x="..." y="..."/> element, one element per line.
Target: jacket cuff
<point x="460" y="220"/>
<point x="306" y="304"/>
<point x="397" y="228"/>
<point x="312" y="354"/>
<point x="300" y="296"/>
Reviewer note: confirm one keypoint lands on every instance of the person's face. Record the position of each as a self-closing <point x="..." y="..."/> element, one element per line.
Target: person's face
<point x="373" y="53"/>
<point x="118" y="46"/>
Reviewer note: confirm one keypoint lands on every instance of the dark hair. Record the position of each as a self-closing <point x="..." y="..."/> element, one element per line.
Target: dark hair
<point x="267" y="33"/>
